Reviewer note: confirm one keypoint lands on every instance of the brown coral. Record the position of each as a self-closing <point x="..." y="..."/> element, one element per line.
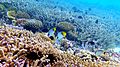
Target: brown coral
<point x="23" y="48"/>
<point x="65" y="26"/>
<point x="59" y="64"/>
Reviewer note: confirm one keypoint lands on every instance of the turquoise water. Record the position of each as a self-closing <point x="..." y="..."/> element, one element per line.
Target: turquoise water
<point x="101" y="7"/>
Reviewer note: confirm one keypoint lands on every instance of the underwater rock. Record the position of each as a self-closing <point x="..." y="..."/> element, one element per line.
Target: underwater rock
<point x="65" y="26"/>
<point x="72" y="35"/>
<point x="6" y="4"/>
<point x="33" y="25"/>
<point x="21" y="14"/>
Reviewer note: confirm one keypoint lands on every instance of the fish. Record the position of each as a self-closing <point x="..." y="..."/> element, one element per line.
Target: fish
<point x="60" y="36"/>
<point x="51" y="33"/>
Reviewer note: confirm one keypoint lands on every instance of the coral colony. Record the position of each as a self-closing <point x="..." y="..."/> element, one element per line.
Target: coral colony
<point x="53" y="36"/>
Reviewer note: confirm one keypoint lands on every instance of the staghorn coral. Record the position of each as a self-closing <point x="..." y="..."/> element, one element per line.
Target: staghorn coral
<point x="23" y="48"/>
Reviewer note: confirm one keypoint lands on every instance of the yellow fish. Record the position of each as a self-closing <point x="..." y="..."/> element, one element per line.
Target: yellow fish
<point x="60" y="36"/>
<point x="51" y="33"/>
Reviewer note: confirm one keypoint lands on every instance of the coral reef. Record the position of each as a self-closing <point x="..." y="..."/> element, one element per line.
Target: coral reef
<point x="87" y="25"/>
<point x="88" y="33"/>
<point x="23" y="48"/>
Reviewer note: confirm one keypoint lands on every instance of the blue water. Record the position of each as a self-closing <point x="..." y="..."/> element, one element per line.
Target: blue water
<point x="101" y="7"/>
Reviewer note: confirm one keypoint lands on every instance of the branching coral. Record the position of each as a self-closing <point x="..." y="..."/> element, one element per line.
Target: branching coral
<point x="23" y="48"/>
